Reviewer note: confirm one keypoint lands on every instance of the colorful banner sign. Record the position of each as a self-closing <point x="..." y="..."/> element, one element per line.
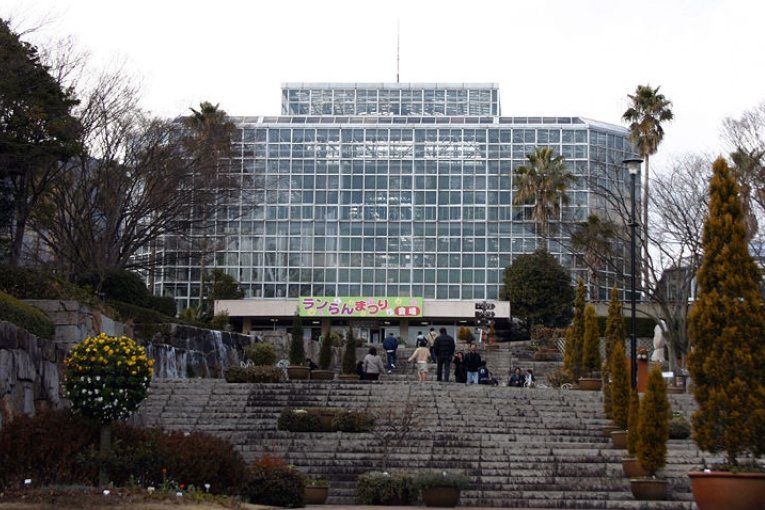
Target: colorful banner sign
<point x="372" y="307"/>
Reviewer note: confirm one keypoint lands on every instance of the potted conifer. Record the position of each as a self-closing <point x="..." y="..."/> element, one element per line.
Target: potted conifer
<point x="297" y="369"/>
<point x="325" y="358"/>
<point x="630" y="464"/>
<point x="653" y="434"/>
<point x="591" y="351"/>
<point x="726" y="327"/>
<point x="615" y="332"/>
<point x="348" y="367"/>
<point x="620" y="395"/>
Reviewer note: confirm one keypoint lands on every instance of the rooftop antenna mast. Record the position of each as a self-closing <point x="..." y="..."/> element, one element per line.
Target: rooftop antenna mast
<point x="398" y="48"/>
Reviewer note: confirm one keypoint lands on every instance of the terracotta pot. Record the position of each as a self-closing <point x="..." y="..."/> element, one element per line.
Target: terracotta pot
<point x="590" y="383"/>
<point x="649" y="489"/>
<point x="714" y="490"/>
<point x="632" y="468"/>
<point x="315" y="495"/>
<point x="298" y="373"/>
<point x="348" y="377"/>
<point x="607" y="429"/>
<point x="322" y="375"/>
<point x="619" y="439"/>
<point x="445" y="497"/>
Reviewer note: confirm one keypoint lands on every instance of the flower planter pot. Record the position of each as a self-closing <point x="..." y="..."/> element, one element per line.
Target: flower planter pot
<point x="445" y="497"/>
<point x="713" y="490"/>
<point x="315" y="495"/>
<point x="632" y="468"/>
<point x="649" y="489"/>
<point x="619" y="439"/>
<point x="298" y="373"/>
<point x="607" y="429"/>
<point x="322" y="375"/>
<point x="590" y="383"/>
<point x="348" y="377"/>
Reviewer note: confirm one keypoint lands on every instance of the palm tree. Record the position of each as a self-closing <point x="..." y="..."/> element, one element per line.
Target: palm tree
<point x="593" y="238"/>
<point x="543" y="182"/>
<point x="648" y="110"/>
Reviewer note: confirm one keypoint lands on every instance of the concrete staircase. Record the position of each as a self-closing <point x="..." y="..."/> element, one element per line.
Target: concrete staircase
<point x="534" y="448"/>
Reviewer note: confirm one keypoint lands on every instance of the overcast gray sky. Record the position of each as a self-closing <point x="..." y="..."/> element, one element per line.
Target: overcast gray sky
<point x="549" y="57"/>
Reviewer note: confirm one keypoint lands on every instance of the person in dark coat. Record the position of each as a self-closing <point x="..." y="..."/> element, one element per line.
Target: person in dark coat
<point x="443" y="348"/>
<point x="460" y="371"/>
<point x="390" y="344"/>
<point x="472" y="364"/>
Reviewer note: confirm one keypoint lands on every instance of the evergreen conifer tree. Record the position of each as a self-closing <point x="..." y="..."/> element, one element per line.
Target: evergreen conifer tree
<point x="297" y="349"/>
<point x="349" y="354"/>
<point x="726" y="327"/>
<point x="620" y="387"/>
<point x="633" y="423"/>
<point x="653" y="424"/>
<point x="591" y="349"/>
<point x="577" y="330"/>
<point x="615" y="332"/>
<point x="325" y="351"/>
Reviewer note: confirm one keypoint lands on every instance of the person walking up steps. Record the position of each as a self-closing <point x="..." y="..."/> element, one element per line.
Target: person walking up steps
<point x="421" y="355"/>
<point x="390" y="344"/>
<point x="432" y="335"/>
<point x="472" y="364"/>
<point x="443" y="349"/>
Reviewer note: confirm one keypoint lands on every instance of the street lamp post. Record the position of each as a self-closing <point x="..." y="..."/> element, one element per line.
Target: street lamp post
<point x="633" y="165"/>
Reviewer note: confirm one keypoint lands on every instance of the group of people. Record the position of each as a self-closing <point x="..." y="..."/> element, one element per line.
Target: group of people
<point x="469" y="368"/>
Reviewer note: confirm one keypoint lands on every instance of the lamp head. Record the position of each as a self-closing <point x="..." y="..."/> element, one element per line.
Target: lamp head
<point x="633" y="165"/>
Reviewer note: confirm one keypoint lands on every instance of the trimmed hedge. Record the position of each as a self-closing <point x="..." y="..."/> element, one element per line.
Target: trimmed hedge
<point x="254" y="375"/>
<point x="388" y="488"/>
<point x="308" y="420"/>
<point x="26" y="316"/>
<point x="273" y="482"/>
<point x="59" y="447"/>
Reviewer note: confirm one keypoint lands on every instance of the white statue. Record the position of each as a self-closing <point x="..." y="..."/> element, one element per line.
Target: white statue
<point x="658" y="341"/>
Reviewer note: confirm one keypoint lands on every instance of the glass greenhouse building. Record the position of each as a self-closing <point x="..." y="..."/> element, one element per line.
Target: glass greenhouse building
<point x="390" y="191"/>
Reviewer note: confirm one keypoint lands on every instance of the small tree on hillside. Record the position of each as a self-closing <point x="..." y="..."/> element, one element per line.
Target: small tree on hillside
<point x="727" y="327"/>
<point x="620" y="387"/>
<point x="615" y="332"/>
<point x="653" y="424"/>
<point x="297" y="349"/>
<point x="539" y="290"/>
<point x="591" y="350"/>
<point x="575" y="343"/>
<point x="465" y="335"/>
<point x="349" y="354"/>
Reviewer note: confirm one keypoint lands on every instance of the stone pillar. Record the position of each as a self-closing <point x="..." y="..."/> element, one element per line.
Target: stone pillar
<point x="246" y="325"/>
<point x="404" y="329"/>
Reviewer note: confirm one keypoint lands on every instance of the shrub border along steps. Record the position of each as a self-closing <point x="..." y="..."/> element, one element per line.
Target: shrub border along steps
<point x="540" y="448"/>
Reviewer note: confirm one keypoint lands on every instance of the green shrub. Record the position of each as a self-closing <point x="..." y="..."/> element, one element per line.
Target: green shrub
<point x="308" y="420"/>
<point x="299" y="420"/>
<point x="220" y="321"/>
<point x="254" y="375"/>
<point x="272" y="482"/>
<point x="557" y="378"/>
<point x="26" y="283"/>
<point x="165" y="305"/>
<point x="151" y="456"/>
<point x="297" y="349"/>
<point x="386" y="488"/>
<point x="429" y="479"/>
<point x="26" y="316"/>
<point x="633" y="422"/>
<point x="60" y="448"/>
<point x="262" y="354"/>
<point x="49" y="448"/>
<point x="352" y="421"/>
<point x="118" y="285"/>
<point x="138" y="314"/>
<point x="679" y="427"/>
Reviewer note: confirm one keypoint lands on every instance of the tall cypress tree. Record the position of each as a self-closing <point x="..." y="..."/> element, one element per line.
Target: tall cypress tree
<point x="577" y="330"/>
<point x="620" y="387"/>
<point x="615" y="332"/>
<point x="297" y="349"/>
<point x="726" y="327"/>
<point x="591" y="348"/>
<point x="653" y="424"/>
